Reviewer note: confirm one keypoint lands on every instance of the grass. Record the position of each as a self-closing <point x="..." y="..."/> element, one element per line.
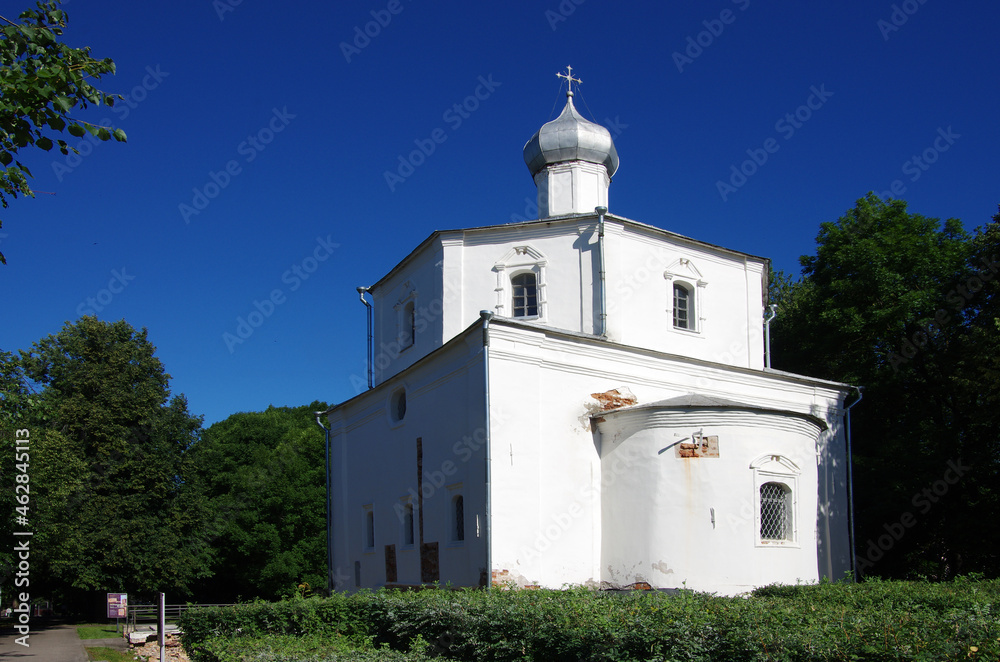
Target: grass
<point x="96" y="631"/>
<point x="110" y="655"/>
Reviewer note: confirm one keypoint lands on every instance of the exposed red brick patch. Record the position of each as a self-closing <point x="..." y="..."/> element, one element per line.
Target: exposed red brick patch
<point x="709" y="447"/>
<point x="614" y="399"/>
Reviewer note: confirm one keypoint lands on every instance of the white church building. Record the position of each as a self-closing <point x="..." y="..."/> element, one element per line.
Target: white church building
<point x="582" y="399"/>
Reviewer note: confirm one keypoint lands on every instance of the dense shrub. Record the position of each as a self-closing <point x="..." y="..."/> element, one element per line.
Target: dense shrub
<point x="288" y="648"/>
<point x="570" y="625"/>
<point x="335" y="618"/>
<point x="871" y="621"/>
<point x="874" y="620"/>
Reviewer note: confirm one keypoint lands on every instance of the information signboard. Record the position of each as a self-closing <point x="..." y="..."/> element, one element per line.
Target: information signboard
<point x="117" y="605"/>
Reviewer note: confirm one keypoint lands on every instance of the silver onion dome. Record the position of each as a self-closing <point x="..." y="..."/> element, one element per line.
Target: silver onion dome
<point x="570" y="137"/>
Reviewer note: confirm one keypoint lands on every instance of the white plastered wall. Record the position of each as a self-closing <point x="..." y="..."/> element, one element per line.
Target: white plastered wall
<point x="548" y="474"/>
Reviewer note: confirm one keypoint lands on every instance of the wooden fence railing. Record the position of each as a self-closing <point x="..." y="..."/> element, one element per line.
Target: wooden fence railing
<point x="147" y="613"/>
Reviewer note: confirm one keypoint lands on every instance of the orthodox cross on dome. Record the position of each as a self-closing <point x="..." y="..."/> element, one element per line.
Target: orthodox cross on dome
<point x="569" y="79"/>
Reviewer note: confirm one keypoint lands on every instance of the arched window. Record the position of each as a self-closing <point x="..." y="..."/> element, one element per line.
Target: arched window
<point x="521" y="284"/>
<point x="685" y="305"/>
<point x="776" y="492"/>
<point x="683" y="308"/>
<point x="525" y="295"/>
<point x="775" y="512"/>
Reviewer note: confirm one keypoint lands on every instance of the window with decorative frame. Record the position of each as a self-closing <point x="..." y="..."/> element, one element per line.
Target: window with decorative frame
<point x="685" y="305"/>
<point x="520" y="284"/>
<point x="775" y="480"/>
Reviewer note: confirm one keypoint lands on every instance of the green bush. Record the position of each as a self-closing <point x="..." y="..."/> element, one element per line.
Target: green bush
<point x="335" y="618"/>
<point x="870" y="621"/>
<point x="569" y="625"/>
<point x="288" y="648"/>
<point x="874" y="620"/>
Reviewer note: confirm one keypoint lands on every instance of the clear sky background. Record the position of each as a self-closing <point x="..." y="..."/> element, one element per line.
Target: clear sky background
<point x="308" y="114"/>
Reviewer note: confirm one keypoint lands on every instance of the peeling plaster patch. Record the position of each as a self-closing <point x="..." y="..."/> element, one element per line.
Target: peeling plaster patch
<point x="662" y="567"/>
<point x="626" y="576"/>
<point x="616" y="398"/>
<point x="506" y="578"/>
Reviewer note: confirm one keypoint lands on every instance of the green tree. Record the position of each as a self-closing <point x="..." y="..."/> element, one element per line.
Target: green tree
<point x="880" y="305"/>
<point x="112" y="506"/>
<point x="264" y="473"/>
<point x="42" y="81"/>
<point x="876" y="270"/>
<point x="973" y="385"/>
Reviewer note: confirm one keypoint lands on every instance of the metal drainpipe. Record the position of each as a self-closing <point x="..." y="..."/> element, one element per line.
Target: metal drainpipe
<point x="371" y="368"/>
<point x="330" y="583"/>
<point x="767" y="334"/>
<point x="850" y="486"/>
<point x="487" y="316"/>
<point x="601" y="211"/>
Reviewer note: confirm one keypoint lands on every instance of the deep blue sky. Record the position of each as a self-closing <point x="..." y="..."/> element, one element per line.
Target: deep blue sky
<point x="226" y="71"/>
